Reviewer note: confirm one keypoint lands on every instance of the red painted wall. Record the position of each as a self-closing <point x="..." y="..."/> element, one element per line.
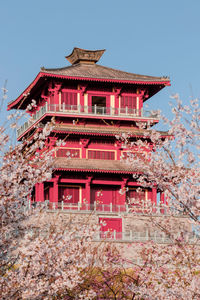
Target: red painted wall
<point x="109" y="225"/>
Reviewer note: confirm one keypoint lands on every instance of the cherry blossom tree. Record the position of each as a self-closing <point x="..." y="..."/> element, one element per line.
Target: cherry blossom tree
<point x="170" y="271"/>
<point x="42" y="255"/>
<point x="53" y="256"/>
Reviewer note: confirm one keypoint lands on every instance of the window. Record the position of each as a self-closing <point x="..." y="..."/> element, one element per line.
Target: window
<point x="72" y="153"/>
<point x="128" y="104"/>
<point x="98" y="105"/>
<point x="69" y="100"/>
<point x="99" y="101"/>
<point x="136" y="197"/>
<point x="96" y="154"/>
<point x="132" y="155"/>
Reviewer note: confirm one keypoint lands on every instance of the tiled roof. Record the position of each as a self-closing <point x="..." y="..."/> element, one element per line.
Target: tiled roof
<point x="104" y="130"/>
<point x="92" y="165"/>
<point x="84" y="67"/>
<point x="101" y="72"/>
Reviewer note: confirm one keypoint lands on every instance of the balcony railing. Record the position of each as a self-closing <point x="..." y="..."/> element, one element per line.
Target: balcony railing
<point x="112" y="208"/>
<point x="144" y="236"/>
<point x="87" y="111"/>
<point x="130" y="236"/>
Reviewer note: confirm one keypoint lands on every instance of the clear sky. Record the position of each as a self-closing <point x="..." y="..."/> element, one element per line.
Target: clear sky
<point x="151" y="37"/>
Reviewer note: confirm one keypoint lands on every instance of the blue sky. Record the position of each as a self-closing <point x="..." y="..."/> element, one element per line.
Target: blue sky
<point x="154" y="37"/>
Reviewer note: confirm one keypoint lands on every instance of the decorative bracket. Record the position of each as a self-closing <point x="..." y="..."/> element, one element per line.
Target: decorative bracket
<point x="52" y="141"/>
<point x="143" y="93"/>
<point x="54" y="90"/>
<point x="125" y="180"/>
<point x="117" y="91"/>
<point x="84" y="142"/>
<point x="119" y="144"/>
<point x="56" y="179"/>
<point x="83" y="89"/>
<point x="89" y="179"/>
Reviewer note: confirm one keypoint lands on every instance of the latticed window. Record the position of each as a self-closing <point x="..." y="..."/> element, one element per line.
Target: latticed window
<point x="69" y="99"/>
<point x="95" y="154"/>
<point x="129" y="102"/>
<point x="136" y="197"/>
<point x="102" y="141"/>
<point x="72" y="153"/>
<point x="132" y="155"/>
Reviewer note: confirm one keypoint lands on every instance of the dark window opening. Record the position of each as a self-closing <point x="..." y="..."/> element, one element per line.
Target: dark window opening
<point x="99" y="101"/>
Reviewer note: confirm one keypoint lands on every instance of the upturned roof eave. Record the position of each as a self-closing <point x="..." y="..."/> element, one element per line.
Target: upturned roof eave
<point x="27" y="91"/>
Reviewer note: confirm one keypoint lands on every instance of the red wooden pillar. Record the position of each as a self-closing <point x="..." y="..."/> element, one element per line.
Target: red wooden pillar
<point x="84" y="144"/>
<point x="154" y="196"/>
<point x="162" y="198"/>
<point x="39" y="192"/>
<point x="123" y="192"/>
<point x="56" y="95"/>
<point x="117" y="102"/>
<point x="140" y="105"/>
<point x="142" y="94"/>
<point x="52" y="144"/>
<point x="163" y="203"/>
<point x="117" y="94"/>
<point x="82" y="92"/>
<point x="54" y="194"/>
<point x="119" y="147"/>
<point x="87" y="190"/>
<point x="55" y="189"/>
<point x="108" y="109"/>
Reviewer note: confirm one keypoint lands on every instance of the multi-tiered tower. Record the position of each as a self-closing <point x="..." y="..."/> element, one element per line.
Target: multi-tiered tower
<point x="91" y="104"/>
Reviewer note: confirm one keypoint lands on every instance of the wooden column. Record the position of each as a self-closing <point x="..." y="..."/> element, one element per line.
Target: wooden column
<point x="117" y="92"/>
<point x="54" y="194"/>
<point x="52" y="144"/>
<point x="56" y="94"/>
<point x="84" y="144"/>
<point x="118" y="145"/>
<point x="87" y="189"/>
<point x="39" y="192"/>
<point x="163" y="199"/>
<point x="163" y="203"/>
<point x="154" y="196"/>
<point x="82" y="92"/>
<point x="142" y="94"/>
<point x="123" y="192"/>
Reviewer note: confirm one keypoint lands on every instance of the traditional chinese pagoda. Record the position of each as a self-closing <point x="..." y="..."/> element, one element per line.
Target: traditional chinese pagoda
<point x="91" y="105"/>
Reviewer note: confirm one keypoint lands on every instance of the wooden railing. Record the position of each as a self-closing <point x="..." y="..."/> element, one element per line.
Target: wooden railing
<point x="125" y="236"/>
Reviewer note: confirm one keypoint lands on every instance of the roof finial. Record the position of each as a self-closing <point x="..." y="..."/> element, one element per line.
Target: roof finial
<point x="84" y="56"/>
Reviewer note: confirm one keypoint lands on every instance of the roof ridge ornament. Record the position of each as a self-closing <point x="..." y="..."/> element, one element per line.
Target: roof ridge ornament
<point x="79" y="55"/>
